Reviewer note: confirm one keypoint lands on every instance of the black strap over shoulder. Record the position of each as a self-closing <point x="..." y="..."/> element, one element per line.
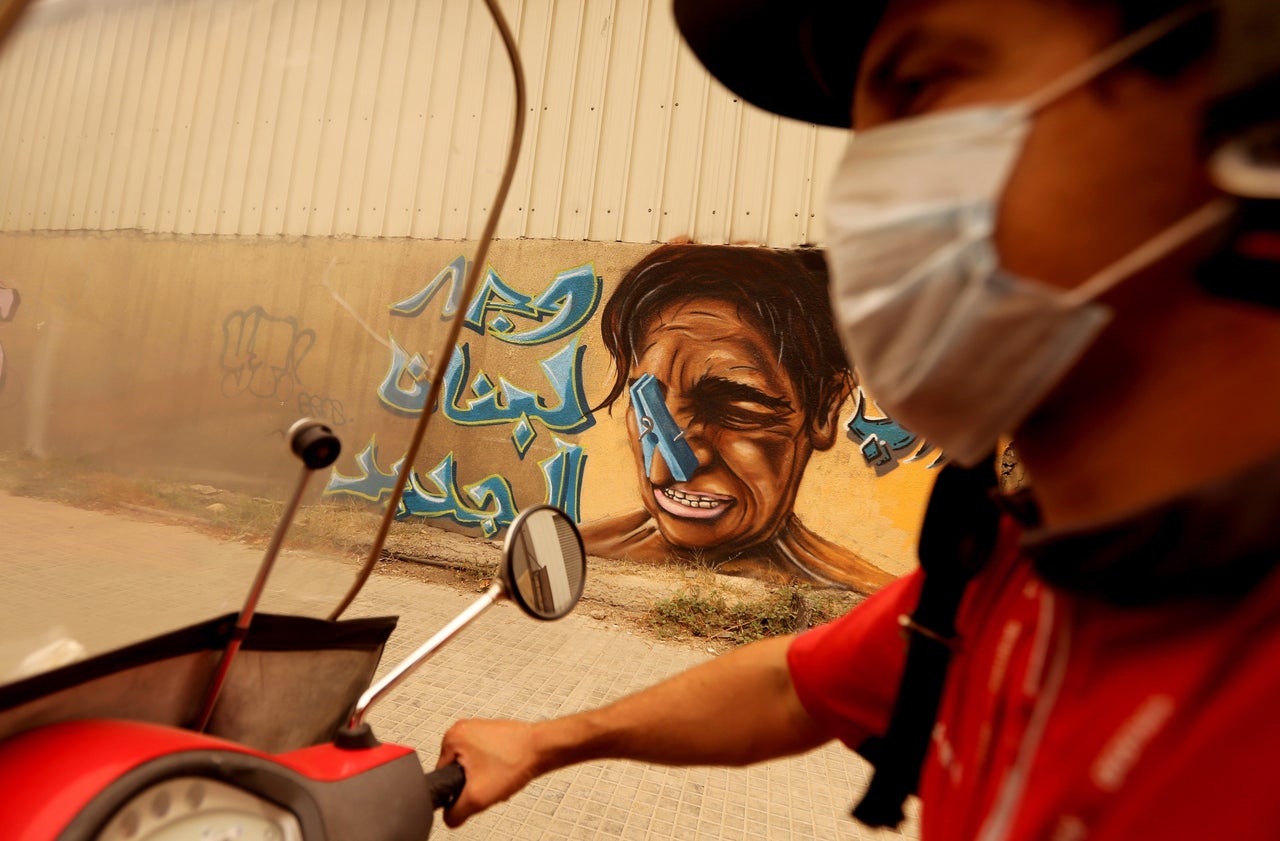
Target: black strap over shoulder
<point x="959" y="535"/>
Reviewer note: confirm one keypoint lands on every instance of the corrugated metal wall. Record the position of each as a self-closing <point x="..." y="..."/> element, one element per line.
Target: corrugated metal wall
<point x="388" y="118"/>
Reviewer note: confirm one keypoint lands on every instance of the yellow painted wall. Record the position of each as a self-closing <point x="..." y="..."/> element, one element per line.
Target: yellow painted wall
<point x="128" y="349"/>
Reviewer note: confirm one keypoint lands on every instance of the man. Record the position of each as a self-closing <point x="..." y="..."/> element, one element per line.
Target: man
<point x="1113" y="675"/>
<point x="744" y="359"/>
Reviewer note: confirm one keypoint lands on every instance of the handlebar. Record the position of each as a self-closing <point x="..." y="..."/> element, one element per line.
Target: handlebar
<point x="445" y="784"/>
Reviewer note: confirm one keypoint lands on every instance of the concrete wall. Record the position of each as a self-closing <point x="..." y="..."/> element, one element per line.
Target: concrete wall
<point x="190" y="356"/>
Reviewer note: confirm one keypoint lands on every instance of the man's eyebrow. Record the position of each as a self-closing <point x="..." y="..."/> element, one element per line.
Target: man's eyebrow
<point x="884" y="73"/>
<point x="711" y="387"/>
<point x="881" y="71"/>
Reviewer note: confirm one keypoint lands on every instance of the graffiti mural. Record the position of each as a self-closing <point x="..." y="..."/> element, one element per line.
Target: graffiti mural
<point x="262" y="353"/>
<point x="8" y="307"/>
<point x="732" y="378"/>
<point x="473" y="397"/>
<point x="735" y="378"/>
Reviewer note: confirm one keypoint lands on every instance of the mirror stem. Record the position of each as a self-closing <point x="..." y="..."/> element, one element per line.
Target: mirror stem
<point x="423" y="653"/>
<point x="243" y="620"/>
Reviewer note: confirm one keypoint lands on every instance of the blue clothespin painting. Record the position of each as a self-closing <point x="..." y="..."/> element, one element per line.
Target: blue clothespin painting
<point x="658" y="430"/>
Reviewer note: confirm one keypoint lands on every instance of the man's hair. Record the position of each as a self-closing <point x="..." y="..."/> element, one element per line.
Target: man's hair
<point x="784" y="293"/>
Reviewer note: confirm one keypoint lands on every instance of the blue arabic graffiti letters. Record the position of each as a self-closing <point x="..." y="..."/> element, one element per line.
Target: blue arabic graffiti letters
<point x="488" y="504"/>
<point x="372" y="484"/>
<point x="563" y="474"/>
<point x="506" y="403"/>
<point x="405" y="387"/>
<point x="8" y="307"/>
<point x="561" y="309"/>
<point x="453" y="274"/>
<point x="566" y="304"/>
<point x="472" y="397"/>
<point x="492" y="506"/>
<point x="883" y="440"/>
<point x="261" y="353"/>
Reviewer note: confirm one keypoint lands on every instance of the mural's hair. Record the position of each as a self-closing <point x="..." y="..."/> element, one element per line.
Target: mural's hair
<point x="783" y="292"/>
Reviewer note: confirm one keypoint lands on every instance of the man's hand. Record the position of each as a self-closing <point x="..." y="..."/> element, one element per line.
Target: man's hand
<point x="499" y="758"/>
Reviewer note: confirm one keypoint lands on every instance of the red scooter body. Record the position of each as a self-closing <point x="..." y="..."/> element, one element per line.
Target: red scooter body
<point x="69" y="780"/>
<point x="104" y="748"/>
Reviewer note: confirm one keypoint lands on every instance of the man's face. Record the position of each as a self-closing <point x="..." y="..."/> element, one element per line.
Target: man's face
<point x="1104" y="168"/>
<point x="741" y="416"/>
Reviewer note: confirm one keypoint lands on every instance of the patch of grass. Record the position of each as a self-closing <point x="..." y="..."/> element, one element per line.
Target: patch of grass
<point x="73" y="484"/>
<point x="696" y="560"/>
<point x="706" y="613"/>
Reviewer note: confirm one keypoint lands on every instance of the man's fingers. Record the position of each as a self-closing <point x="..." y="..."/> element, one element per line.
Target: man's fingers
<point x="453" y="737"/>
<point x="455" y="816"/>
<point x="493" y="757"/>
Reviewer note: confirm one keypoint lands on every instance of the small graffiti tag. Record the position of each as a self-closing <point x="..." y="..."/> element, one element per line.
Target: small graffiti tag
<point x="323" y="408"/>
<point x="262" y="353"/>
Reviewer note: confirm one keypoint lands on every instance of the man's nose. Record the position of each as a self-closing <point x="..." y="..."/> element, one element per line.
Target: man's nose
<point x="699" y="436"/>
<point x="697" y="454"/>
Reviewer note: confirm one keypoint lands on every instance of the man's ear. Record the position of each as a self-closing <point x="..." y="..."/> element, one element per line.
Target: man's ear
<point x="824" y="427"/>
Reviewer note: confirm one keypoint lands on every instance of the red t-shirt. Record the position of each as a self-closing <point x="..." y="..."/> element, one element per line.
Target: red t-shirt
<point x="1065" y="718"/>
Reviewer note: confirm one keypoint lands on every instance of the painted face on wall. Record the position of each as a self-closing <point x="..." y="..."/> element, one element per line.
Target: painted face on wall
<point x="741" y="416"/>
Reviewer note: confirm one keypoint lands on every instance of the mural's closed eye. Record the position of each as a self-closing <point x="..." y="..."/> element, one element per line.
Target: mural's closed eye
<point x="736" y="405"/>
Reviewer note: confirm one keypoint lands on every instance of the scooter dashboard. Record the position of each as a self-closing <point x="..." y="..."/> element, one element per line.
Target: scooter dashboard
<point x="187" y="808"/>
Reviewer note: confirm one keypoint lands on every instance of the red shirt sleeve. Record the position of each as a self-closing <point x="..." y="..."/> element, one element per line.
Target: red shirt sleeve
<point x="846" y="672"/>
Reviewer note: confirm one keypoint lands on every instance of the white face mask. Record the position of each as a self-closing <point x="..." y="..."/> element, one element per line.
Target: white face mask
<point x="951" y="345"/>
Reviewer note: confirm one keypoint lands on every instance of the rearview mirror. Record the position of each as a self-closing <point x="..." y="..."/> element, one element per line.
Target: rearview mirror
<point x="543" y="570"/>
<point x="544" y="565"/>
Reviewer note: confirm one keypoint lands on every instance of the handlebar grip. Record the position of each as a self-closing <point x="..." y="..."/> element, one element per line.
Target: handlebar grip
<point x="445" y="784"/>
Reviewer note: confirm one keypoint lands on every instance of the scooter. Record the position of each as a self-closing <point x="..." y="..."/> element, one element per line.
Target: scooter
<point x="160" y="740"/>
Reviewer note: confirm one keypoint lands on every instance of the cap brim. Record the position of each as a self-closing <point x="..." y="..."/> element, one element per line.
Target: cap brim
<point x="796" y="58"/>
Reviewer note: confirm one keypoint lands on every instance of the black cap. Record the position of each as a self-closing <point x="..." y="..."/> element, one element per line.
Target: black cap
<point x="796" y="58"/>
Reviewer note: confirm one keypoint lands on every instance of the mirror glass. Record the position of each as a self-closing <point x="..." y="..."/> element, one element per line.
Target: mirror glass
<point x="545" y="562"/>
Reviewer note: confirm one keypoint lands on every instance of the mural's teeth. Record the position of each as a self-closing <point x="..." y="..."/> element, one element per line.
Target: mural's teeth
<point x="690" y="500"/>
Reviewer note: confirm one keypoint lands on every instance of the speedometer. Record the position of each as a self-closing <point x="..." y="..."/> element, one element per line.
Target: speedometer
<point x="199" y="809"/>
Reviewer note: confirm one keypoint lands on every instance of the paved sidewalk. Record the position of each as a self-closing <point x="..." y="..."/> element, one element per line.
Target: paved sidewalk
<point x="140" y="578"/>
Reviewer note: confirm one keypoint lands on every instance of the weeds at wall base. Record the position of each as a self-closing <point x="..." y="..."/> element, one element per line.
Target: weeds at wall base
<point x="706" y="613"/>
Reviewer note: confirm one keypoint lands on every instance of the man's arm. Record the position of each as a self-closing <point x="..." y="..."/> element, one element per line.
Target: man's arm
<point x="735" y="710"/>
